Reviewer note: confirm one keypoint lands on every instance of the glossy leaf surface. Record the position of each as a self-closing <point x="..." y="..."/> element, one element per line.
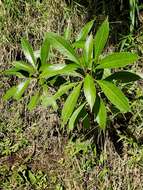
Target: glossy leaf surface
<point x="85" y="30"/>
<point x="20" y="89"/>
<point x="74" y="117"/>
<point x="28" y="51"/>
<point x="63" y="46"/>
<point x="102" y="115"/>
<point x="101" y="39"/>
<point x="89" y="90"/>
<point x="58" y="69"/>
<point x="33" y="101"/>
<point x="117" y="60"/>
<point x="63" y="89"/>
<point x="89" y="51"/>
<point x="70" y="104"/>
<point x="115" y="95"/>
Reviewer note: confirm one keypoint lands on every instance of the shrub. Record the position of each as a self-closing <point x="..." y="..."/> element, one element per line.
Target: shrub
<point x="86" y="73"/>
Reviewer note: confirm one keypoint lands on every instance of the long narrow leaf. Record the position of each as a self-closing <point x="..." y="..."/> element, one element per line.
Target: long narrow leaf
<point x="63" y="46"/>
<point x="70" y="104"/>
<point x="23" y="66"/>
<point x="85" y="30"/>
<point x="68" y="31"/>
<point x="123" y="76"/>
<point x="101" y="39"/>
<point x="63" y="89"/>
<point x="10" y="93"/>
<point x="34" y="101"/>
<point x="15" y="72"/>
<point x="90" y="90"/>
<point x="20" y="89"/>
<point x="74" y="117"/>
<point x="28" y="51"/>
<point x="89" y="51"/>
<point x="102" y="115"/>
<point x="49" y="101"/>
<point x="58" y="69"/>
<point x="85" y="119"/>
<point x="44" y="52"/>
<point x="115" y="95"/>
<point x="117" y="60"/>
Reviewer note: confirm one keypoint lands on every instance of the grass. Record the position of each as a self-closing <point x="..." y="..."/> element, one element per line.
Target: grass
<point x="34" y="153"/>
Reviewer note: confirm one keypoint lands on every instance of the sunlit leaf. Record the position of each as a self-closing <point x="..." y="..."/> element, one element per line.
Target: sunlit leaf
<point x="115" y="95"/>
<point x="79" y="44"/>
<point x="28" y="51"/>
<point x="34" y="101"/>
<point x="32" y="177"/>
<point x="49" y="101"/>
<point x="89" y="90"/>
<point x="63" y="89"/>
<point x="101" y="39"/>
<point x="89" y="51"/>
<point x="68" y="31"/>
<point x="23" y="66"/>
<point x="20" y="89"/>
<point x="63" y="46"/>
<point x="74" y="117"/>
<point x="117" y="60"/>
<point x="102" y="115"/>
<point x="37" y="54"/>
<point x="10" y="93"/>
<point x="44" y="52"/>
<point x="85" y="31"/>
<point x="15" y="72"/>
<point x="58" y="69"/>
<point x="70" y="104"/>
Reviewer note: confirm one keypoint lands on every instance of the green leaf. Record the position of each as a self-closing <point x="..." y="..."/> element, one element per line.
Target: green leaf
<point x="58" y="69"/>
<point x="79" y="44"/>
<point x="63" y="46"/>
<point x="28" y="51"/>
<point x="89" y="51"/>
<point x="33" y="101"/>
<point x="115" y="95"/>
<point x="102" y="115"/>
<point x="70" y="104"/>
<point x="20" y="89"/>
<point x="85" y="30"/>
<point x="85" y="119"/>
<point x="123" y="76"/>
<point x="19" y="65"/>
<point x="68" y="31"/>
<point x="10" y="93"/>
<point x="14" y="71"/>
<point x="32" y="177"/>
<point x="101" y="39"/>
<point x="49" y="101"/>
<point x="74" y="117"/>
<point x="117" y="60"/>
<point x="37" y="54"/>
<point x="96" y="106"/>
<point x="44" y="52"/>
<point x="63" y="89"/>
<point x="89" y="90"/>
